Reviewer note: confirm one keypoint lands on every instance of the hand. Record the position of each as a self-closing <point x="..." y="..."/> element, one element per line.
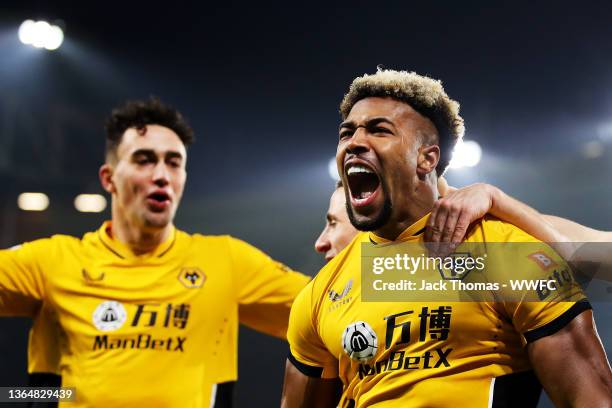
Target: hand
<point x="452" y="215"/>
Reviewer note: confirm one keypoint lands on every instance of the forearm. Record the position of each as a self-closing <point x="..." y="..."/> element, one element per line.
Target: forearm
<point x="524" y="217"/>
<point x="576" y="232"/>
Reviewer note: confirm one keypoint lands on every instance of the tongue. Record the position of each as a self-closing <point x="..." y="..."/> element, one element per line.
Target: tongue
<point x="363" y="185"/>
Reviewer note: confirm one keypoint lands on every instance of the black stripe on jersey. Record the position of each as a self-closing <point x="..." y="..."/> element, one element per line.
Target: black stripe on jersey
<point x="224" y="395"/>
<point x="516" y="390"/>
<point x="419" y="232"/>
<point x="310" y="371"/>
<point x="170" y="247"/>
<point x="107" y="247"/>
<point x="559" y="323"/>
<point x="44" y="380"/>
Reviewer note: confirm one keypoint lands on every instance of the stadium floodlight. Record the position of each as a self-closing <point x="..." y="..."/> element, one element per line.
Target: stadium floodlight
<point x="41" y="34"/>
<point x="33" y="201"/>
<point x="467" y="153"/>
<point x="93" y="203"/>
<point x="332" y="168"/>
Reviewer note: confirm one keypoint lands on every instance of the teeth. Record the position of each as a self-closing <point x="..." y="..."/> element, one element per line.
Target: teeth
<point x="358" y="169"/>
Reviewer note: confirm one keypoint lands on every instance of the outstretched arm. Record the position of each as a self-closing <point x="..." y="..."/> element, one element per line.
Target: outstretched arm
<point x="576" y="232"/>
<point x="453" y="213"/>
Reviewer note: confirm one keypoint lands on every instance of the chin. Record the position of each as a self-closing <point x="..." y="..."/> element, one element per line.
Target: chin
<point x="370" y="222"/>
<point x="161" y="221"/>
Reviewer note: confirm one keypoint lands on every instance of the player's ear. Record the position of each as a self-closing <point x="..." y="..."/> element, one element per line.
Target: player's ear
<point x="428" y="158"/>
<point x="106" y="178"/>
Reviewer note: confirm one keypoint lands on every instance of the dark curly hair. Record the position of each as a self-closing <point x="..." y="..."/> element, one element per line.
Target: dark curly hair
<point x="423" y="94"/>
<point x="140" y="113"/>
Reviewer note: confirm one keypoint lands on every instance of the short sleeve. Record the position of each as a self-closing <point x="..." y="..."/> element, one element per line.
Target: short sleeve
<point x="554" y="297"/>
<point x="557" y="304"/>
<point x="265" y="289"/>
<point x="21" y="286"/>
<point x="307" y="351"/>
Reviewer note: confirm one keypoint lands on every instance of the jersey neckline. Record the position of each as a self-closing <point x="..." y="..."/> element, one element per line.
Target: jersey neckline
<point x="412" y="233"/>
<point x="124" y="252"/>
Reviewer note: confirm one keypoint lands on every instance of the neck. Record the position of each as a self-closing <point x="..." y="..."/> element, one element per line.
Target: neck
<point x="138" y="239"/>
<point x="415" y="206"/>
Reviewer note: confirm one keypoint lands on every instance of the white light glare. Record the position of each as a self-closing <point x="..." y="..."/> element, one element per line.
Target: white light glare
<point x="33" y="201"/>
<point x="593" y="149"/>
<point x="93" y="203"/>
<point x="467" y="153"/>
<point x="25" y="32"/>
<point x="41" y="34"/>
<point x="333" y="169"/>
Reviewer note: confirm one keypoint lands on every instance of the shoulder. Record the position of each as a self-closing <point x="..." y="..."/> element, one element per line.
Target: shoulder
<point x="232" y="248"/>
<point x="56" y="241"/>
<point x="201" y="239"/>
<point x="212" y="243"/>
<point x="492" y="229"/>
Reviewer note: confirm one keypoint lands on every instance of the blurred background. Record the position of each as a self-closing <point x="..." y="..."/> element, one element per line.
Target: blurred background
<point x="261" y="84"/>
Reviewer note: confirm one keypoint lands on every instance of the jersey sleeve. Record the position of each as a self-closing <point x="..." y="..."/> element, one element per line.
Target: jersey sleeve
<point x="554" y="298"/>
<point x="545" y="310"/>
<point x="307" y="352"/>
<point x="265" y="289"/>
<point x="21" y="283"/>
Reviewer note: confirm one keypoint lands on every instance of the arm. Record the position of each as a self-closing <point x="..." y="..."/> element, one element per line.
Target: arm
<point x="453" y="214"/>
<point x="572" y="365"/>
<point x="311" y="371"/>
<point x="265" y="289"/>
<point x="21" y="283"/>
<point x="302" y="391"/>
<point x="576" y="232"/>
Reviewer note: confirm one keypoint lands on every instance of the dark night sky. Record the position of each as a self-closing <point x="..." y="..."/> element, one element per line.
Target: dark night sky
<point x="261" y="83"/>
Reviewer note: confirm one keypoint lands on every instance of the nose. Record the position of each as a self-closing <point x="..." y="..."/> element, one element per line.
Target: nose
<point x="358" y="142"/>
<point x="323" y="244"/>
<point x="161" y="176"/>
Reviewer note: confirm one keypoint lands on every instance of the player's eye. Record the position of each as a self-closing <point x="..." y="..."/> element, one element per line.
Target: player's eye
<point x="346" y="133"/>
<point x="142" y="160"/>
<point x="380" y="130"/>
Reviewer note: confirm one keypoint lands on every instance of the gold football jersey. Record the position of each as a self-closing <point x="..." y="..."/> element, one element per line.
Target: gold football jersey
<point x="424" y="353"/>
<point x="157" y="329"/>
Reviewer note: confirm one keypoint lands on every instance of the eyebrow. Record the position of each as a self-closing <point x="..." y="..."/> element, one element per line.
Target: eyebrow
<point x="370" y="122"/>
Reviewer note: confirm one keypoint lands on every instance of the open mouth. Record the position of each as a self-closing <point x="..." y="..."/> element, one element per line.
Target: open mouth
<point x="363" y="183"/>
<point x="158" y="200"/>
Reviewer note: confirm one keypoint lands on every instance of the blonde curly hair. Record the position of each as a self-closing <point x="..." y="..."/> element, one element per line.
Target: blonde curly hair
<point x="423" y="94"/>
